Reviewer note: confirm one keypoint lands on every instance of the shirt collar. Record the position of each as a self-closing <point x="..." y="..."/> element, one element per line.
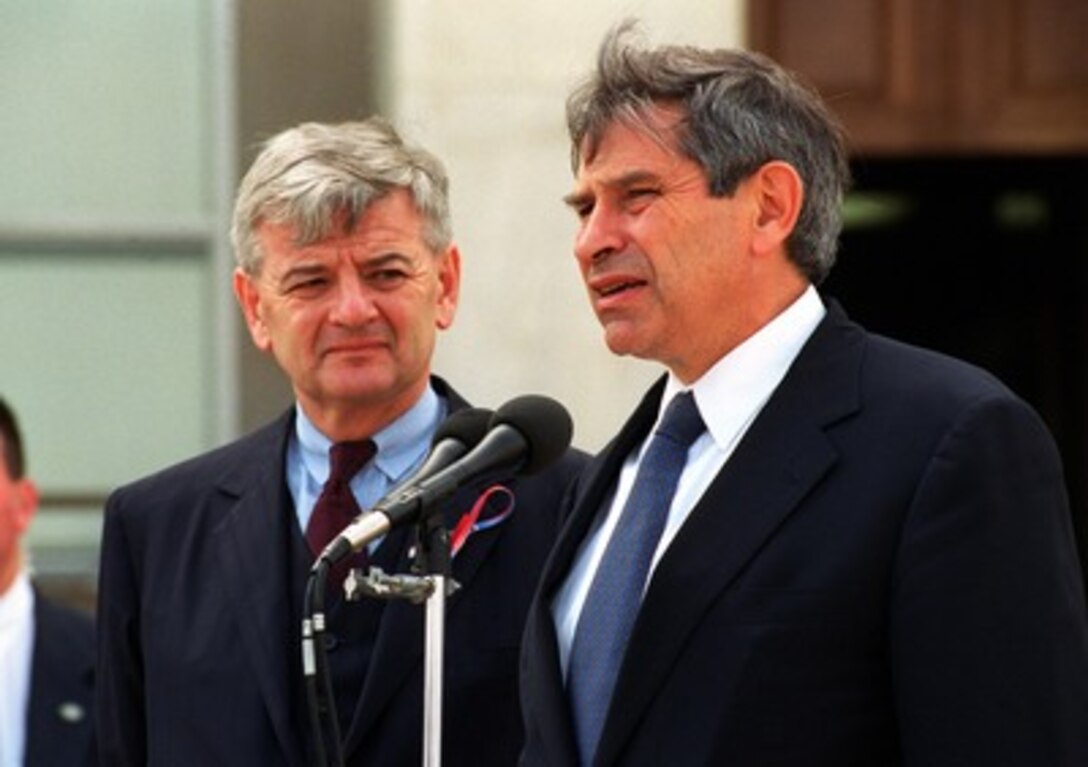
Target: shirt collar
<point x="17" y="602"/>
<point x="401" y="445"/>
<point x="737" y="385"/>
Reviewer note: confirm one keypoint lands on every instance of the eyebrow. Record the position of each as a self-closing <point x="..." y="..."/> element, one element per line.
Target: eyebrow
<point x="577" y="199"/>
<point x="301" y="271"/>
<point x="385" y="258"/>
<point x="310" y="269"/>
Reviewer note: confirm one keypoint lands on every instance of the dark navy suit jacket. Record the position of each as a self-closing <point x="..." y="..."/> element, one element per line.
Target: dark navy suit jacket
<point x="60" y="714"/>
<point x="882" y="574"/>
<point x="199" y="653"/>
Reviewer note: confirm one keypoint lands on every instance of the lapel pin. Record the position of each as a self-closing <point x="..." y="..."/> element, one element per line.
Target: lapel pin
<point x="71" y="712"/>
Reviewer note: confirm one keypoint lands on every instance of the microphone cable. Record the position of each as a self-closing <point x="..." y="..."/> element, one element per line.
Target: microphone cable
<point x="320" y="699"/>
<point x="462" y="430"/>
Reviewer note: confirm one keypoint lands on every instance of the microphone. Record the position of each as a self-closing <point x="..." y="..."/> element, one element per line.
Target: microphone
<point x="524" y="435"/>
<point x="454" y="437"/>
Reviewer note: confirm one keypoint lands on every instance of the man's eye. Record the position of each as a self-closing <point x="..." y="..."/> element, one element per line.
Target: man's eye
<point x="387" y="278"/>
<point x="311" y="284"/>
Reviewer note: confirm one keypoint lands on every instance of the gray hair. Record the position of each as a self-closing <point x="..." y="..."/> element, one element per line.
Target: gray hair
<point x="740" y="110"/>
<point x="310" y="175"/>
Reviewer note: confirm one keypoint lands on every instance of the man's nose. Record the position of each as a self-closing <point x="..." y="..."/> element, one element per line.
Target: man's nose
<point x="354" y="304"/>
<point x="601" y="233"/>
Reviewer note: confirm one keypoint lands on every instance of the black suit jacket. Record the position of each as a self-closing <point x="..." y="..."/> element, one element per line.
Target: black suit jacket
<point x="883" y="573"/>
<point x="199" y="661"/>
<point x="60" y="712"/>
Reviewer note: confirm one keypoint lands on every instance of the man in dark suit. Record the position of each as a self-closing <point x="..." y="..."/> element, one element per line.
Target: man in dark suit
<point x="346" y="271"/>
<point x="46" y="650"/>
<point x="60" y="715"/>
<point x="868" y="557"/>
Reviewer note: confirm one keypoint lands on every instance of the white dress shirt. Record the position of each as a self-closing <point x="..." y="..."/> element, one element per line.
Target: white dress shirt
<point x="729" y="395"/>
<point x="16" y="657"/>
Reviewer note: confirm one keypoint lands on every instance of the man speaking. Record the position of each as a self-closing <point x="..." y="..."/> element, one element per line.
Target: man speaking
<point x="809" y="545"/>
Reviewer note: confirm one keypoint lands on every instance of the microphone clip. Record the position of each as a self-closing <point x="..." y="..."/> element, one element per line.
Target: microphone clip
<point x="376" y="583"/>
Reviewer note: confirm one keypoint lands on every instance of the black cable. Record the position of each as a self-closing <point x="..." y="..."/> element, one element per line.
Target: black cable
<point x="320" y="698"/>
<point x="309" y="672"/>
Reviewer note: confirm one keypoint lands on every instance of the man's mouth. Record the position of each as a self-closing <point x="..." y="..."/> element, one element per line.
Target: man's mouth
<point x="619" y="287"/>
<point x="354" y="346"/>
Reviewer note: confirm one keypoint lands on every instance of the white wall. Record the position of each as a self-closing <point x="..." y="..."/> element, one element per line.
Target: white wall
<point x="483" y="84"/>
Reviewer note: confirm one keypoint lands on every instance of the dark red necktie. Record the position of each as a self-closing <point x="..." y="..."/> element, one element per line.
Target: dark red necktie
<point x="336" y="507"/>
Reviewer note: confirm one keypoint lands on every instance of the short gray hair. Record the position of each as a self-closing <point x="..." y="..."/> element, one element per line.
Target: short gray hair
<point x="310" y="175"/>
<point x="740" y="110"/>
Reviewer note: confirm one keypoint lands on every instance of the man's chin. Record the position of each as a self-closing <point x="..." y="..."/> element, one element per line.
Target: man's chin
<point x="359" y="386"/>
<point x="621" y="340"/>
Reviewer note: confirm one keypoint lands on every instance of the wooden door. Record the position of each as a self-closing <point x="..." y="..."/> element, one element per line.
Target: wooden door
<point x="939" y="76"/>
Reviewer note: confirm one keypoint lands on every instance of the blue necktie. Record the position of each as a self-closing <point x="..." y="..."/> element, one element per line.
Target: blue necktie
<point x="616" y="593"/>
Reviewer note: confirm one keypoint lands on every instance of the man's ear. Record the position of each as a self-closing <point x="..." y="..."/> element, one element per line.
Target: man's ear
<point x="449" y="286"/>
<point x="249" y="299"/>
<point x="779" y="193"/>
<point x="25" y="497"/>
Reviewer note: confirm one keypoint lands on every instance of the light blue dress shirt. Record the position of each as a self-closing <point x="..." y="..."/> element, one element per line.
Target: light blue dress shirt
<point x="402" y="447"/>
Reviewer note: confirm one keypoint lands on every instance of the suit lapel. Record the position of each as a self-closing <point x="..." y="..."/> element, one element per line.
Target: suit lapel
<point x="398" y="648"/>
<point x="59" y="717"/>
<point x="783" y="455"/>
<point x="597" y="484"/>
<point x="251" y="547"/>
<point x="549" y="697"/>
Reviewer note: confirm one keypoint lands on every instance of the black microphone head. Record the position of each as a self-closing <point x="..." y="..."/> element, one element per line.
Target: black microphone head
<point x="543" y="422"/>
<point x="467" y="426"/>
<point x="454" y="437"/>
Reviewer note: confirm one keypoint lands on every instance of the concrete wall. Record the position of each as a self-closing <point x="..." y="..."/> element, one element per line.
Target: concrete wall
<point x="483" y="84"/>
<point x="123" y="127"/>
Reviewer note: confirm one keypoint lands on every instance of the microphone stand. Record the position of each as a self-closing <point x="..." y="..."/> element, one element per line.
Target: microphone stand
<point x="433" y="560"/>
<point x="430" y="583"/>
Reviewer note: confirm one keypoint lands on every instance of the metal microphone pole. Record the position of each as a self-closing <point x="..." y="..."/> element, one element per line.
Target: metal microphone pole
<point x="434" y="560"/>
<point x="431" y="584"/>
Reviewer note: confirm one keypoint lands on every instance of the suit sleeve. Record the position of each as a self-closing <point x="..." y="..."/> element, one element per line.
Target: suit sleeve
<point x="988" y="637"/>
<point x="121" y="721"/>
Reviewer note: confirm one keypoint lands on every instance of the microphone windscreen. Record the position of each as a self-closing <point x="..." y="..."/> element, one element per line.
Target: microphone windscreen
<point x="543" y="422"/>
<point x="467" y="426"/>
